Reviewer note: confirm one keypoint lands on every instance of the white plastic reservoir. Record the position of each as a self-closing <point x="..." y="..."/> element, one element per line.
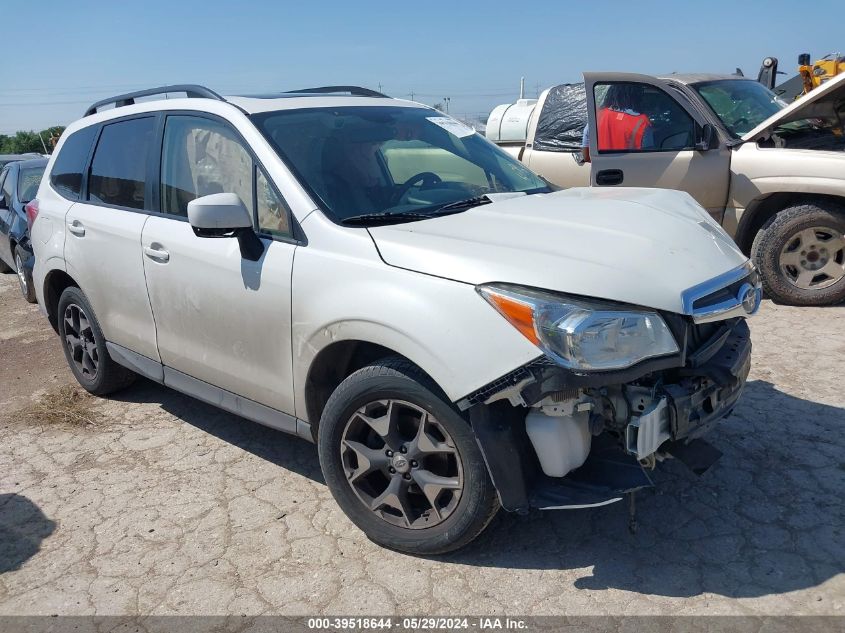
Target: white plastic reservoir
<point x="509" y="122"/>
<point x="562" y="442"/>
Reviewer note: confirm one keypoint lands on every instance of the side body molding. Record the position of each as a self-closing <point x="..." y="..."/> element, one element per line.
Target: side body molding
<point x="231" y="402"/>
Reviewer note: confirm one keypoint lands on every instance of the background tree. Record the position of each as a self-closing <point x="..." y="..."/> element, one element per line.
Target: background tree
<point x="23" y="142"/>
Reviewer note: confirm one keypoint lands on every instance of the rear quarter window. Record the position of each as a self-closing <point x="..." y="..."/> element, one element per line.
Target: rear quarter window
<point x="66" y="175"/>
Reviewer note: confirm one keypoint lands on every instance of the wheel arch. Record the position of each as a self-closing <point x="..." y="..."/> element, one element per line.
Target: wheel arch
<point x="764" y="207"/>
<point x="331" y="366"/>
<point x="55" y="283"/>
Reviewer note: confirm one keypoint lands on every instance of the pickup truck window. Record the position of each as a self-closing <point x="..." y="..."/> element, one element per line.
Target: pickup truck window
<point x="560" y="127"/>
<point x="390" y="160"/>
<point x="740" y="104"/>
<point x="636" y="117"/>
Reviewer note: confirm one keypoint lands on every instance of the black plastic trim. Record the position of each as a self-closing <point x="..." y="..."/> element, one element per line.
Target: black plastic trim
<point x="356" y="91"/>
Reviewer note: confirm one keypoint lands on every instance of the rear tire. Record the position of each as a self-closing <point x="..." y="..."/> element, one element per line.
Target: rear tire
<point x="415" y="480"/>
<point x="85" y="346"/>
<point x="800" y="253"/>
<point x="24" y="276"/>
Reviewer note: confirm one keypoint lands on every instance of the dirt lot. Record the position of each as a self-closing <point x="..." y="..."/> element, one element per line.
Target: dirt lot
<point x="160" y="504"/>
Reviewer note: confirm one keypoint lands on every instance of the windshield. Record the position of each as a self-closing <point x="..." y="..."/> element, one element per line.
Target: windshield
<point x="741" y="104"/>
<point x="390" y="160"/>
<point x="28" y="181"/>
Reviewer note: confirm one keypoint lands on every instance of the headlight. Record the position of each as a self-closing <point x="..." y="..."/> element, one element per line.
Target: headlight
<point x="582" y="335"/>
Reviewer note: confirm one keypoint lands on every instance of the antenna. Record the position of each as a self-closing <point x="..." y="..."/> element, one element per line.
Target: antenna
<point x="522" y="87"/>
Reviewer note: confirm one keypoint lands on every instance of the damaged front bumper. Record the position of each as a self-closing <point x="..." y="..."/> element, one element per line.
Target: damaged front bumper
<point x="662" y="413"/>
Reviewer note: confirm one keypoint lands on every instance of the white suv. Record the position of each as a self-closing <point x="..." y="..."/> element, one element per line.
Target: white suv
<point x="372" y="275"/>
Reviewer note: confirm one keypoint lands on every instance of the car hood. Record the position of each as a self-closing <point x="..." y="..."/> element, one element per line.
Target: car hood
<point x="801" y="108"/>
<point x="634" y="245"/>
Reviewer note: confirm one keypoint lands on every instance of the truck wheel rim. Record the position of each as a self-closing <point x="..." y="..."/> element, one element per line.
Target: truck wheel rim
<point x="402" y="464"/>
<point x="814" y="258"/>
<point x="21" y="274"/>
<point x="79" y="338"/>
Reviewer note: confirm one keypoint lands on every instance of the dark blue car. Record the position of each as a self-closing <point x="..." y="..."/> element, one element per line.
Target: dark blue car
<point x="19" y="182"/>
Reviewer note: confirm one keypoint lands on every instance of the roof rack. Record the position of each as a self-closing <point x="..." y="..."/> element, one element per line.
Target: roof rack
<point x="191" y="90"/>
<point x="356" y="91"/>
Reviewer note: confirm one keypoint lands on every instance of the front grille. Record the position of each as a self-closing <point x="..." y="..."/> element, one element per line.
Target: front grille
<point x="727" y="293"/>
<point x="735" y="293"/>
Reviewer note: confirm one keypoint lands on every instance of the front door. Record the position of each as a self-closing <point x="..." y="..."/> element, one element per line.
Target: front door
<point x="220" y="318"/>
<point x="643" y="133"/>
<point x="7" y="214"/>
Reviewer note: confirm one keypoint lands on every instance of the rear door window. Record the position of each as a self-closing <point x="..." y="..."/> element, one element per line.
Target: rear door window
<point x="66" y="175"/>
<point x="119" y="167"/>
<point x="28" y="181"/>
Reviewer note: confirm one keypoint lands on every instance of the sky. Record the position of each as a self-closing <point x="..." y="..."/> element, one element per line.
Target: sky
<point x="72" y="53"/>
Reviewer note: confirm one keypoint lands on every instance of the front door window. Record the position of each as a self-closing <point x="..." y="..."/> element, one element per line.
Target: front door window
<point x="637" y="117"/>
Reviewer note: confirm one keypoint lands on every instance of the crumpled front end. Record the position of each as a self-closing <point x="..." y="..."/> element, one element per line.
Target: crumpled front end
<point x="584" y="439"/>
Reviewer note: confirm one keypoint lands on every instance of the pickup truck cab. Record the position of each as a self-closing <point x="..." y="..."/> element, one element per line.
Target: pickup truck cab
<point x="772" y="174"/>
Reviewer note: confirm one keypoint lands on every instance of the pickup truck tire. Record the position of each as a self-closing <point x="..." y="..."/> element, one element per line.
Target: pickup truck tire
<point x="85" y="346"/>
<point x="401" y="461"/>
<point x="800" y="253"/>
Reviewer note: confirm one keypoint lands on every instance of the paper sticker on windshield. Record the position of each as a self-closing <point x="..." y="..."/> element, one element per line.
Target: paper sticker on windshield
<point x="452" y="126"/>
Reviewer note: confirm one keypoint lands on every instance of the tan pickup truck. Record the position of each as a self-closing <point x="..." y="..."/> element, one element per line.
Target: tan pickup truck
<point x="772" y="174"/>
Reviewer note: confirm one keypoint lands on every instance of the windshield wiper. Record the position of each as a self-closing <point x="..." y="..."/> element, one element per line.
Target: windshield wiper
<point x="464" y="204"/>
<point x="385" y="217"/>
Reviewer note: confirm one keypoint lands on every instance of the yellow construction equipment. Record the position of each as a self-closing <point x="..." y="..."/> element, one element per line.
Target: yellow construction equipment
<point x="815" y="74"/>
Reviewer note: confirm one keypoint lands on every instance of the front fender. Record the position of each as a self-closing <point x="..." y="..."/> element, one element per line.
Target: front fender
<point x="443" y="326"/>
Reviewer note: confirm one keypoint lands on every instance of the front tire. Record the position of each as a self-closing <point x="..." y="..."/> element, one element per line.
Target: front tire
<point x="24" y="276"/>
<point x="402" y="463"/>
<point x="800" y="253"/>
<point x="85" y="346"/>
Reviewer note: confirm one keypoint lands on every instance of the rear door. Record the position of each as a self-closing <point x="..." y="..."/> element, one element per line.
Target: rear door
<point x="222" y="319"/>
<point x="103" y="244"/>
<point x="667" y="157"/>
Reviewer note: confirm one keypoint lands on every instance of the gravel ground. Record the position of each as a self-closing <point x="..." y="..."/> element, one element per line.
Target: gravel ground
<point x="163" y="505"/>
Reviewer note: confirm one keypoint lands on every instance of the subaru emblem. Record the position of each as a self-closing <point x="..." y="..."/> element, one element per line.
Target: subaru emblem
<point x="750" y="298"/>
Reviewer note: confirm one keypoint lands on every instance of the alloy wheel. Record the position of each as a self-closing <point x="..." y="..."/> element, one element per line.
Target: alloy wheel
<point x="814" y="258"/>
<point x="79" y="338"/>
<point x="402" y="464"/>
<point x="21" y="274"/>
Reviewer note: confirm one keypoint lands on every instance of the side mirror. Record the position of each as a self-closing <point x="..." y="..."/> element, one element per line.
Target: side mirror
<point x="709" y="139"/>
<point x="222" y="215"/>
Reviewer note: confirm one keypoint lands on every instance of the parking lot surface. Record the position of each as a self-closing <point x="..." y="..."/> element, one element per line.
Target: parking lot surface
<point x="154" y="503"/>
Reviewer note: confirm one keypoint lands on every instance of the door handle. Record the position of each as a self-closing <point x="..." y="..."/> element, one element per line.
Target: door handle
<point x="609" y="177"/>
<point x="76" y="228"/>
<point x="157" y="254"/>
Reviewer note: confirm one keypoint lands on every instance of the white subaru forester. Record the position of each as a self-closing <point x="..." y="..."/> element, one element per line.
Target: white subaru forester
<point x="370" y="274"/>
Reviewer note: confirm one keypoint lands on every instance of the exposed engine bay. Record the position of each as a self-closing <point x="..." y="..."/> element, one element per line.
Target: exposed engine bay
<point x="592" y="433"/>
